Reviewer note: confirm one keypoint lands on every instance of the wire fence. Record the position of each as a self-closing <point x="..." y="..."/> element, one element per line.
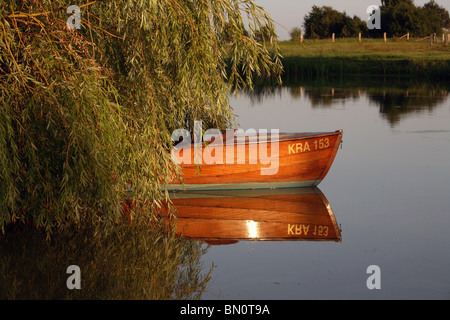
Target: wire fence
<point x="432" y="38"/>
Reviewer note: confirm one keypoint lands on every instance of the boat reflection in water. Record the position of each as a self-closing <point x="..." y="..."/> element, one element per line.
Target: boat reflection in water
<point x="229" y="216"/>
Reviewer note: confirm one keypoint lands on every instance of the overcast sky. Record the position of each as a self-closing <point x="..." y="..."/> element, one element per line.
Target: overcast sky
<point x="290" y="13"/>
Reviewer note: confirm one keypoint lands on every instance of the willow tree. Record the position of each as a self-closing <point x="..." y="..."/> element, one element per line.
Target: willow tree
<point x="85" y="113"/>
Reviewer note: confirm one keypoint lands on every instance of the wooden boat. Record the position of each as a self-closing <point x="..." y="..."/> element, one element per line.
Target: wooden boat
<point x="228" y="216"/>
<point x="302" y="160"/>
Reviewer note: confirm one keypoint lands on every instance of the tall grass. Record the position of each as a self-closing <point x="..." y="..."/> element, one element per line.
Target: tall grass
<point x="370" y="57"/>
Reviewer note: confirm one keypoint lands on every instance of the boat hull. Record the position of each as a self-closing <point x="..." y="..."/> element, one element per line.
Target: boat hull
<point x="303" y="160"/>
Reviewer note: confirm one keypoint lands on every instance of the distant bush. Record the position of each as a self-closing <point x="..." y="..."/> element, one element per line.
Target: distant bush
<point x="295" y="33"/>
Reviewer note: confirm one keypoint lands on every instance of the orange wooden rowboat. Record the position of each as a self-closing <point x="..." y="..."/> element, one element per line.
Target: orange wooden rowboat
<point x="226" y="216"/>
<point x="302" y="160"/>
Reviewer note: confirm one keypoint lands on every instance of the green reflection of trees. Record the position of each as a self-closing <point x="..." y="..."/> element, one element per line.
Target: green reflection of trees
<point x="395" y="99"/>
<point x="325" y="97"/>
<point x="120" y="262"/>
<point x="394" y="104"/>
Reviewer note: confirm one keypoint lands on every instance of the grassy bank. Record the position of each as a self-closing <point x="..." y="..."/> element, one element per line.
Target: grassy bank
<point x="374" y="57"/>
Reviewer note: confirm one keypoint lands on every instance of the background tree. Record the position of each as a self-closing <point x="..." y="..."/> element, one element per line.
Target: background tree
<point x="438" y="15"/>
<point x="321" y="22"/>
<point x="352" y="26"/>
<point x="84" y="113"/>
<point x="399" y="17"/>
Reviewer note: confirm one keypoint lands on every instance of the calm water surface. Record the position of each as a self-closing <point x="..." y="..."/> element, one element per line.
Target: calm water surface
<point x="389" y="188"/>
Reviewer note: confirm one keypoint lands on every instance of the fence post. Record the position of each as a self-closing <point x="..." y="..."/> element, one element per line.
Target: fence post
<point x="407" y="36"/>
<point x="359" y="37"/>
<point x="385" y="37"/>
<point x="431" y="40"/>
<point x="332" y="37"/>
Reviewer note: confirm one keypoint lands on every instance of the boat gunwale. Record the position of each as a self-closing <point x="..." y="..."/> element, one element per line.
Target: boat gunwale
<point x="282" y="137"/>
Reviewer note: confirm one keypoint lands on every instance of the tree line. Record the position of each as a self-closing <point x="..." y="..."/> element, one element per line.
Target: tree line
<point x="398" y="17"/>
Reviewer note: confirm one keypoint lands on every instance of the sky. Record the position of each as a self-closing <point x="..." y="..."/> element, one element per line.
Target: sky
<point x="290" y="13"/>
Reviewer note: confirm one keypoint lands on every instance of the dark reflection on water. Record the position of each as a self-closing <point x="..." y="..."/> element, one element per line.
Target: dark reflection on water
<point x="132" y="261"/>
<point x="394" y="100"/>
<point x="117" y="262"/>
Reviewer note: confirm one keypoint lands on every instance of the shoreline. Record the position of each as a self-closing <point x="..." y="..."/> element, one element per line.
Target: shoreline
<point x="297" y="68"/>
<point x="370" y="57"/>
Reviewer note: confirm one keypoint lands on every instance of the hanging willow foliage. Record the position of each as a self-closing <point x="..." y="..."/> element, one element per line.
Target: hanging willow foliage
<point x="84" y="112"/>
